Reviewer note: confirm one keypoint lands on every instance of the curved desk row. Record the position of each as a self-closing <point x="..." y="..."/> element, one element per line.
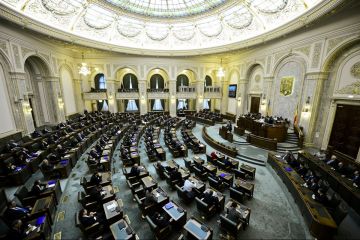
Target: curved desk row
<point x="319" y="220"/>
<point x="262" y="142"/>
<point x="341" y="185"/>
<point x="232" y="152"/>
<point x="202" y="120"/>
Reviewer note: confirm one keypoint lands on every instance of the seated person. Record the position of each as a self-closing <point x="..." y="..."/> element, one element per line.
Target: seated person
<point x="160" y="166"/>
<point x="60" y="150"/>
<point x="341" y="169"/>
<point x="229" y="126"/>
<point x="160" y="220"/>
<point x="136" y="170"/>
<point x="189" y="188"/>
<point x="356" y="179"/>
<point x="233" y="214"/>
<point x="89" y="218"/>
<point x="213" y="155"/>
<point x="46" y="166"/>
<point x="10" y="168"/>
<point x="320" y="196"/>
<point x="211" y="199"/>
<point x="97" y="193"/>
<point x="38" y="188"/>
<point x="93" y="153"/>
<point x="14" y="212"/>
<point x="175" y="175"/>
<point x="312" y="185"/>
<point x="227" y="162"/>
<point x="35" y="134"/>
<point x="96" y="178"/>
<point x="302" y="170"/>
<point x="17" y="230"/>
<point x="149" y="198"/>
<point x="332" y="162"/>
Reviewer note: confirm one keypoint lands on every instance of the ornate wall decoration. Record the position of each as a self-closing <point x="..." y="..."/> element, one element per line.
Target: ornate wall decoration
<point x="286" y="85"/>
<point x="316" y="55"/>
<point x="98" y="18"/>
<point x="257" y="78"/>
<point x="353" y="88"/>
<point x="25" y="51"/>
<point x="16" y="56"/>
<point x="279" y="55"/>
<point x="45" y="56"/>
<point x="129" y="28"/>
<point x="210" y="28"/>
<point x="184" y="33"/>
<point x="304" y="50"/>
<point x="63" y="7"/>
<point x="355" y="70"/>
<point x="238" y="18"/>
<point x="334" y="42"/>
<point x="157" y="32"/>
<point x="3" y="46"/>
<point x="269" y="6"/>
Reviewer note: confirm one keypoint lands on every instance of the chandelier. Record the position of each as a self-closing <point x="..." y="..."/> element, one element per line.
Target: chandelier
<point x="220" y="71"/>
<point x="84" y="69"/>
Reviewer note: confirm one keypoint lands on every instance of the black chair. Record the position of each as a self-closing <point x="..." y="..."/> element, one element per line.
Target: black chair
<point x="237" y="195"/>
<point x="204" y="208"/>
<point x="146" y="210"/>
<point x="183" y="195"/>
<point x="202" y="175"/>
<point x="170" y="182"/>
<point x="217" y="185"/>
<point x="159" y="172"/>
<point x="230" y="227"/>
<point x="240" y="174"/>
<point x="160" y="233"/>
<point x="87" y="202"/>
<point x="93" y="231"/>
<point x="189" y="164"/>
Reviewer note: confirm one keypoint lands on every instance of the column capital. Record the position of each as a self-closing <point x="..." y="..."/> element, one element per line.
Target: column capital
<point x="268" y="79"/>
<point x="317" y="75"/>
<point x="52" y="79"/>
<point x="243" y="81"/>
<point x="17" y="75"/>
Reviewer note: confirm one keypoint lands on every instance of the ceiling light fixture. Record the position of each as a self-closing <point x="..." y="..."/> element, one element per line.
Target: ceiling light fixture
<point x="84" y="69"/>
<point x="220" y="71"/>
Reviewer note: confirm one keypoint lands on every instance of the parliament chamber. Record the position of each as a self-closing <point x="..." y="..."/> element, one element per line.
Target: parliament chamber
<point x="179" y="119"/>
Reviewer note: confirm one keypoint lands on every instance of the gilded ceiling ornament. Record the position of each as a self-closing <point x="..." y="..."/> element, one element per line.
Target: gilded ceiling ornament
<point x="184" y="33"/>
<point x="355" y="70"/>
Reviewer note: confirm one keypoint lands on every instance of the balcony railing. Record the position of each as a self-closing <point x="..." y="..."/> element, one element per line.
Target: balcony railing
<point x="158" y="90"/>
<point x="186" y="89"/>
<point x="128" y="90"/>
<point x="212" y="89"/>
<point x="94" y="95"/>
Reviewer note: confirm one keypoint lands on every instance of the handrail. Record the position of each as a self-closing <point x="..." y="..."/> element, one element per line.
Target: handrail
<point x="232" y="152"/>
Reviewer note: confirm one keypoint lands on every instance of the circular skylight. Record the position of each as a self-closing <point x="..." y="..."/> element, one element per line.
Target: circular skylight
<point x="167" y="8"/>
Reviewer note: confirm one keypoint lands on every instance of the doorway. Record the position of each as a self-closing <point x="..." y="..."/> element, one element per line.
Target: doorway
<point x="255" y="104"/>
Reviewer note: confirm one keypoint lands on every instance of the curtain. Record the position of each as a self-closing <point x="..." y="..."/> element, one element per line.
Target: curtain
<point x="206" y="104"/>
<point x="157" y="105"/>
<point x="100" y="104"/>
<point x="132" y="106"/>
<point x="105" y="106"/>
<point x="182" y="104"/>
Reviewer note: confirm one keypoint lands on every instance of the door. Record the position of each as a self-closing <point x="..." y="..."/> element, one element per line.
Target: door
<point x="255" y="104"/>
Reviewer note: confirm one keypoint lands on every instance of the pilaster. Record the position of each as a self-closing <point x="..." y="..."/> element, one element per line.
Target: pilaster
<point x="80" y="107"/>
<point x="224" y="100"/>
<point x="241" y="100"/>
<point x="200" y="95"/>
<point x="57" y="113"/>
<point x="172" y="98"/>
<point x="111" y="91"/>
<point x="143" y="98"/>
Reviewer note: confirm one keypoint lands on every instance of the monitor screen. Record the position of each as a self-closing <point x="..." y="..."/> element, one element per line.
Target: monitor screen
<point x="232" y="90"/>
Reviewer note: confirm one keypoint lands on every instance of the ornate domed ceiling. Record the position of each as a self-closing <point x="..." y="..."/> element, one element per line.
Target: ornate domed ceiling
<point x="166" y="27"/>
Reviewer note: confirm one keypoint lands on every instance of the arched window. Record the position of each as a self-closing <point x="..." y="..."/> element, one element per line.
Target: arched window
<point x="100" y="82"/>
<point x="208" y="81"/>
<point x="130" y="81"/>
<point x="182" y="80"/>
<point x="157" y="82"/>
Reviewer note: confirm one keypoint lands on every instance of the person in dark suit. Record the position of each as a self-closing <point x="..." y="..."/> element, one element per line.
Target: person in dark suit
<point x="341" y="169"/>
<point x="356" y="178"/>
<point x="233" y="214"/>
<point x="93" y="153"/>
<point x="210" y="199"/>
<point x="88" y="218"/>
<point x="38" y="188"/>
<point x="135" y="170"/>
<point x="46" y="166"/>
<point x="320" y="196"/>
<point x="175" y="175"/>
<point x="96" y="193"/>
<point x="60" y="150"/>
<point x="332" y="162"/>
<point x="149" y="198"/>
<point x="160" y="220"/>
<point x="14" y="212"/>
<point x="96" y="179"/>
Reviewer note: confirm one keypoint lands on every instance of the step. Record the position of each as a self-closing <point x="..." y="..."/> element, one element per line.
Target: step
<point x="291" y="137"/>
<point x="292" y="142"/>
<point x="250" y="160"/>
<point x="241" y="143"/>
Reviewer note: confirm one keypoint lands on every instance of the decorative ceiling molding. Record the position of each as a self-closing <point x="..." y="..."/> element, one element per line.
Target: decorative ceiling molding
<point x="353" y="88"/>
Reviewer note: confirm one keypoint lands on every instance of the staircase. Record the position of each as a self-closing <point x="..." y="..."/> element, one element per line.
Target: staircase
<point x="291" y="143"/>
<point x="248" y="159"/>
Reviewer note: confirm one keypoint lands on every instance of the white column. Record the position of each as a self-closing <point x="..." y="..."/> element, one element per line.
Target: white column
<point x="172" y="98"/>
<point x="241" y="100"/>
<point x="56" y="110"/>
<point x="143" y="97"/>
<point x="329" y="125"/>
<point x="80" y="105"/>
<point x="200" y="95"/>
<point x="111" y="91"/>
<point x="268" y="81"/>
<point x="225" y="98"/>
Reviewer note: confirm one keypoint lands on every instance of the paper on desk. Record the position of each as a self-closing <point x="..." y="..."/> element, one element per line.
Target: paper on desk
<point x="51" y="185"/>
<point x="111" y="206"/>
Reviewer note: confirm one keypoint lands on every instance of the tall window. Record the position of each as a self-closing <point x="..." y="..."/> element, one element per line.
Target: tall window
<point x="100" y="82"/>
<point x="130" y="81"/>
<point x="131" y="106"/>
<point x="182" y="104"/>
<point x="208" y="81"/>
<point x="156" y="82"/>
<point x="182" y="80"/>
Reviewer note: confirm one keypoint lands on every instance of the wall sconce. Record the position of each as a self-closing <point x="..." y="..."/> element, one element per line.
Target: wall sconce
<point x="143" y="101"/>
<point x="100" y="101"/>
<point x="307" y="105"/>
<point x="27" y="107"/>
<point x="263" y="101"/>
<point x="60" y="102"/>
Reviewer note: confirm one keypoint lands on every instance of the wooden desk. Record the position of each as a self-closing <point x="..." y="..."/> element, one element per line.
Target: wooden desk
<point x="227" y="177"/>
<point x="199" y="185"/>
<point x="46" y="206"/>
<point x="210" y="168"/>
<point x="54" y="185"/>
<point x="113" y="211"/>
<point x="148" y="182"/>
<point x="105" y="161"/>
<point x="244" y="211"/>
<point x="160" y="195"/>
<point x="64" y="168"/>
<point x="144" y="173"/>
<point x="185" y="173"/>
<point x="176" y="213"/>
<point x="109" y="193"/>
<point x="170" y="163"/>
<point x="248" y="170"/>
<point x="122" y="230"/>
<point x="320" y="222"/>
<point x="197" y="230"/>
<point x="244" y="186"/>
<point x="43" y="230"/>
<point x="198" y="161"/>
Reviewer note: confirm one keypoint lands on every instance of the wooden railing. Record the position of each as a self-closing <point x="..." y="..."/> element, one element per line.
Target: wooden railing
<point x="230" y="151"/>
<point x="266" y="143"/>
<point x="202" y="120"/>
